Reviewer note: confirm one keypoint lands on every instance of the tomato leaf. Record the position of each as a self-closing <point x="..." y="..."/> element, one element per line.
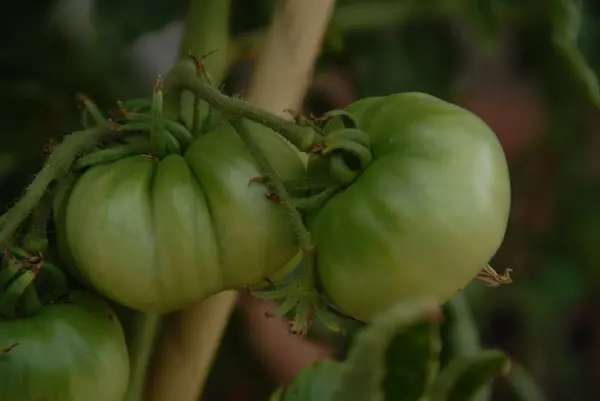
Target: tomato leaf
<point x="461" y="334"/>
<point x="463" y="377"/>
<point x="412" y="362"/>
<point x="567" y="16"/>
<point x="550" y="46"/>
<point x="393" y="358"/>
<point x="315" y="383"/>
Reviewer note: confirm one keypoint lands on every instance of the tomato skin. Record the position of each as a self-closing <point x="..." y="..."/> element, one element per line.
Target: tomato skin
<point x="424" y="217"/>
<point x="156" y="236"/>
<point x="68" y="352"/>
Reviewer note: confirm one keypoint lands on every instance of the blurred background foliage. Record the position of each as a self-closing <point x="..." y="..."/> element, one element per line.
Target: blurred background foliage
<point x="526" y="67"/>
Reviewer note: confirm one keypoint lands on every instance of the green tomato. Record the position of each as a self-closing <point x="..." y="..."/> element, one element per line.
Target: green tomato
<point x="156" y="236"/>
<point x="67" y="352"/>
<point x="424" y="217"/>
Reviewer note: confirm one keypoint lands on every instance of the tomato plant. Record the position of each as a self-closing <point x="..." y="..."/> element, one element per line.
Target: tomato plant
<point x="180" y="195"/>
<point x="424" y="217"/>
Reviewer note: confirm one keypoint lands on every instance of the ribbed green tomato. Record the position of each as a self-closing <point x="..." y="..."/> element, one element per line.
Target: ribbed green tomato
<point x="67" y="352"/>
<point x="158" y="235"/>
<point x="424" y="217"/>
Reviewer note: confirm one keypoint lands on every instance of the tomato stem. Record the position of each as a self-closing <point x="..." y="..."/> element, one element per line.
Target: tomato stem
<point x="304" y="238"/>
<point x="206" y="33"/>
<point x="181" y="78"/>
<point x="145" y="331"/>
<point x="158" y="137"/>
<point x="35" y="240"/>
<point x="56" y="166"/>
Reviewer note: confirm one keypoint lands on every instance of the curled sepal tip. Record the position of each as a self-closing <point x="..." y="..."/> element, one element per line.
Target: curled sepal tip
<point x="348" y="151"/>
<point x="18" y="287"/>
<point x="462" y="378"/>
<point x="302" y="304"/>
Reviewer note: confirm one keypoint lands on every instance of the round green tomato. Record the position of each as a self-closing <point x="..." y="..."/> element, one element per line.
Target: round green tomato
<point x="67" y="352"/>
<point x="424" y="217"/>
<point x="156" y="236"/>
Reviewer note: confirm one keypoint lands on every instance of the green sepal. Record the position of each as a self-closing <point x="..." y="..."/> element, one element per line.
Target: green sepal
<point x="297" y="298"/>
<point x="137" y="105"/>
<point x="463" y="377"/>
<point x="10" y="298"/>
<point x="8" y="273"/>
<point x="110" y="155"/>
<point x="347" y="119"/>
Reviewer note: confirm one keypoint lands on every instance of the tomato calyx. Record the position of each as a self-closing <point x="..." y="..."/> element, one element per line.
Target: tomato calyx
<point x="20" y="273"/>
<point x="347" y="149"/>
<point x="297" y="295"/>
<point x="144" y="127"/>
<point x="17" y="274"/>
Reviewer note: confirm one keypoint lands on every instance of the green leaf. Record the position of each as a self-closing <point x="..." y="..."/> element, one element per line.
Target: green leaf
<point x="395" y="357"/>
<point x="462" y="335"/>
<point x="464" y="377"/>
<point x="567" y="28"/>
<point x="315" y="383"/>
<point x="412" y="360"/>
<point x="549" y="45"/>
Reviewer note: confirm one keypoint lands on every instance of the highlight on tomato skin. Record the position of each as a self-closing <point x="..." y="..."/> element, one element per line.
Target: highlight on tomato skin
<point x="424" y="218"/>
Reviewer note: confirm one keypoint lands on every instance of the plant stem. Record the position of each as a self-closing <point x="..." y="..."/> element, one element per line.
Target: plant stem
<point x="56" y="166"/>
<point x="187" y="348"/>
<point x="300" y="230"/>
<point x="206" y="31"/>
<point x="35" y="239"/>
<point x="146" y="327"/>
<point x="181" y="77"/>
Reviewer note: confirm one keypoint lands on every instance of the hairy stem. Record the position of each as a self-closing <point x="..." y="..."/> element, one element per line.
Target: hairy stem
<point x="206" y="32"/>
<point x="146" y="331"/>
<point x="182" y="78"/>
<point x="302" y="233"/>
<point x="35" y="240"/>
<point x="56" y="166"/>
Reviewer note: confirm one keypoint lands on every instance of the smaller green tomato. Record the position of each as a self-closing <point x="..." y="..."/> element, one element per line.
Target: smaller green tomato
<point x="70" y="351"/>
